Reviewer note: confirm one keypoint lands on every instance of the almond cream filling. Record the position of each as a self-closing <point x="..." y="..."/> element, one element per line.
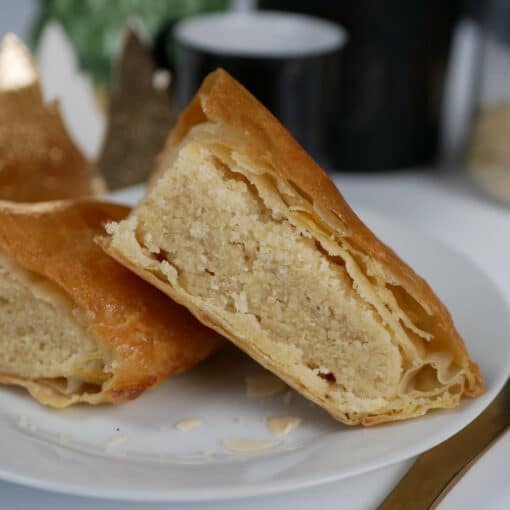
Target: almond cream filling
<point x="42" y="334"/>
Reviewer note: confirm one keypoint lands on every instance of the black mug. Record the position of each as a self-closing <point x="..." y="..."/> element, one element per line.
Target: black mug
<point x="393" y="78"/>
<point x="288" y="61"/>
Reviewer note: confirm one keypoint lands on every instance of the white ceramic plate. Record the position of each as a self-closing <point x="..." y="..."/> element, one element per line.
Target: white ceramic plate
<point x="134" y="452"/>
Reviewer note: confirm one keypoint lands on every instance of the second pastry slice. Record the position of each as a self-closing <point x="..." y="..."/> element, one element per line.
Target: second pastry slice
<point x="75" y="325"/>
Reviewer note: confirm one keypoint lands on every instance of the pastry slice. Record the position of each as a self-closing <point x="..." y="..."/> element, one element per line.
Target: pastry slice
<point x="243" y="228"/>
<point x="38" y="159"/>
<point x="75" y="325"/>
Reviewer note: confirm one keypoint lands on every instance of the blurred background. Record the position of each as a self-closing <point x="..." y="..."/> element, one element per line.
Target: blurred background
<point x="365" y="86"/>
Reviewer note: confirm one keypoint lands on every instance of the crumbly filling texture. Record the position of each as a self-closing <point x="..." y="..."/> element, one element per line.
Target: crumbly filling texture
<point x="41" y="338"/>
<point x="249" y="263"/>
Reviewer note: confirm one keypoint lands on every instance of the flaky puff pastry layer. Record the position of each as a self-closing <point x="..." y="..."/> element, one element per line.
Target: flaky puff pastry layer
<point x="227" y="129"/>
<point x="141" y="335"/>
<point x="38" y="159"/>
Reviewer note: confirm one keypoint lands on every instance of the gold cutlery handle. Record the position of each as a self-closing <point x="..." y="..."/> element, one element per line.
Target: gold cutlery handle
<point x="436" y="471"/>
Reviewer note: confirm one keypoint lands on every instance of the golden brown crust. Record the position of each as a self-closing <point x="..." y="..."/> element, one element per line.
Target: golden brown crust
<point x="222" y="100"/>
<point x="151" y="336"/>
<point x="38" y="159"/>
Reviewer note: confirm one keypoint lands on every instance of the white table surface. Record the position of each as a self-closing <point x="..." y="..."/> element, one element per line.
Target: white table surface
<point x="448" y="206"/>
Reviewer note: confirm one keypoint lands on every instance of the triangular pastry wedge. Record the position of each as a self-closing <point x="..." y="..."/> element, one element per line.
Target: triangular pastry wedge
<point x="38" y="159"/>
<point x="77" y="326"/>
<point x="243" y="228"/>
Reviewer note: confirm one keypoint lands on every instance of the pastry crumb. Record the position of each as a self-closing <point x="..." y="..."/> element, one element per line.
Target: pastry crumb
<point x="116" y="441"/>
<point x="282" y="425"/>
<point x="264" y="385"/>
<point x="188" y="424"/>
